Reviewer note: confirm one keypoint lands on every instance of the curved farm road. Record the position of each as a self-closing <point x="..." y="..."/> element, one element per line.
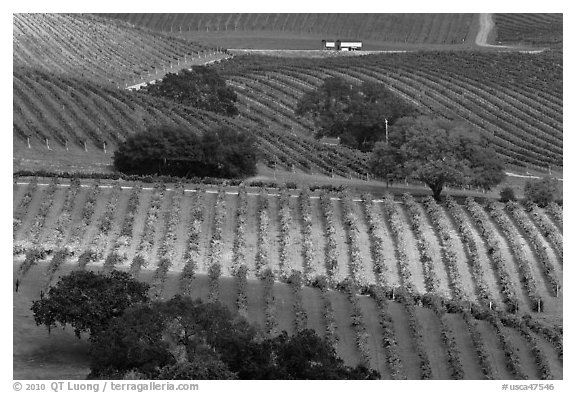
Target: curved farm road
<point x="486" y="26"/>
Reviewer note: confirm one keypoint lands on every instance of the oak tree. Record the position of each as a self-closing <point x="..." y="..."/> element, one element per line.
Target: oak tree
<point x="438" y="152"/>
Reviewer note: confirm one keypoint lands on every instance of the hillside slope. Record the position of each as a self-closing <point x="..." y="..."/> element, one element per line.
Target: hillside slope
<point x="289" y="30"/>
<point x="94" y="48"/>
<point x="352" y="243"/>
<point x="530" y="29"/>
<point x="69" y="124"/>
<point x="515" y="97"/>
<point x="531" y="269"/>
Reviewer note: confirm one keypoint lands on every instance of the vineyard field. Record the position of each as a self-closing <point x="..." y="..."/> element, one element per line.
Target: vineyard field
<point x="273" y="222"/>
<point x="429" y="29"/>
<point x="92" y="47"/>
<point x="534" y="29"/>
<point x="54" y="130"/>
<point x="68" y="115"/>
<point x="458" y="85"/>
<point x="60" y="354"/>
<point x="464" y="286"/>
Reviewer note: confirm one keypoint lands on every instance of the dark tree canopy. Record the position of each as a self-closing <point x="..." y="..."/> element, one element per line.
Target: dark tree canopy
<point x="167" y="150"/>
<point x="307" y="356"/>
<point x="542" y="191"/>
<point x="88" y="301"/>
<point x="437" y="152"/>
<point x="202" y="87"/>
<point x="356" y="114"/>
<point x="188" y="339"/>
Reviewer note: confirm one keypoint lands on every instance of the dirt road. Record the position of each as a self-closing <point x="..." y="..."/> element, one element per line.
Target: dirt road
<point x="486" y="26"/>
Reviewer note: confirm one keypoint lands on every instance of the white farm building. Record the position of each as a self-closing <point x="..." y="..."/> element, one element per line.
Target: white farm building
<point x="339" y="45"/>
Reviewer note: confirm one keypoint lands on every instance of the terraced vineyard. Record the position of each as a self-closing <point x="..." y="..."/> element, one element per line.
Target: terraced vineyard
<point x="62" y="118"/>
<point x="447" y="286"/>
<point x="520" y="107"/>
<point x="91" y="47"/>
<point x="411" y="28"/>
<point x="535" y="29"/>
<point x="515" y="97"/>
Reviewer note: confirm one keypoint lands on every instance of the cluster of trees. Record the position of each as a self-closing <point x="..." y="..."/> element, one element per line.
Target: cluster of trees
<point x="543" y="191"/>
<point x="166" y="150"/>
<point x="540" y="191"/>
<point x="134" y="338"/>
<point x="202" y="87"/>
<point x="356" y="114"/>
<point x="403" y="142"/>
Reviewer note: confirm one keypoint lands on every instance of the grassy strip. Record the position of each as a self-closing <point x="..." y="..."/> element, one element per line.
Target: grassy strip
<point x="417" y="224"/>
<point x="389" y="342"/>
<point x="63" y="222"/>
<point x="556" y="212"/>
<point x="512" y="359"/>
<point x="300" y="318"/>
<point x="192" y="250"/>
<point x="239" y="268"/>
<point x="478" y="342"/>
<point x="96" y="248"/>
<point x="32" y="257"/>
<point x="284" y="240"/>
<point x="376" y="234"/>
<point x="263" y="241"/>
<point x="538" y="246"/>
<point x="495" y="253"/>
<point x="112" y="260"/>
<point x="307" y="242"/>
<point x="45" y="206"/>
<point x="215" y="247"/>
<point x="127" y="227"/>
<point x="22" y="208"/>
<point x="356" y="266"/>
<point x="166" y="248"/>
<point x="361" y="332"/>
<point x="547" y="228"/>
<point x="57" y="260"/>
<point x="147" y="241"/>
<point x="448" y="246"/>
<point x="524" y="267"/>
<point x="416" y="333"/>
<point x="399" y="236"/>
<point x="322" y="282"/>
<point x="478" y="274"/>
<point x="330" y="252"/>
<point x="267" y="278"/>
<point x="450" y="346"/>
<point x="87" y="214"/>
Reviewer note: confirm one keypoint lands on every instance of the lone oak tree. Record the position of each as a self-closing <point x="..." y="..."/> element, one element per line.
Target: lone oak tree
<point x="437" y="152"/>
